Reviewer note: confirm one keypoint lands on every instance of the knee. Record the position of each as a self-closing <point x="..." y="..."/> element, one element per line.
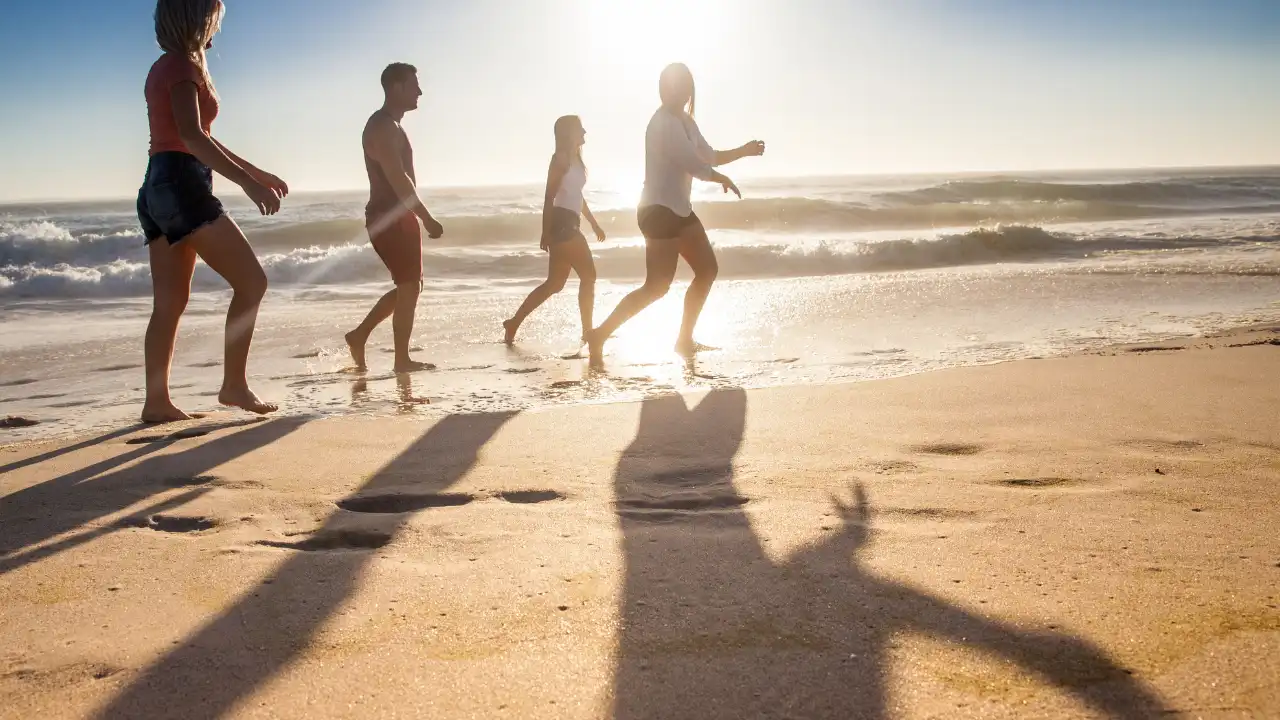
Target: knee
<point x="252" y="287"/>
<point x="707" y="275"/>
<point x="554" y="286"/>
<point x="409" y="289"/>
<point x="170" y="307"/>
<point x="654" y="290"/>
<point x="587" y="281"/>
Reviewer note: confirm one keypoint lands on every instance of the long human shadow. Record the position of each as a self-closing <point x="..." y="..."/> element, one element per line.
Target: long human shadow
<point x="79" y="499"/>
<point x="266" y="629"/>
<point x="57" y="452"/>
<point x="712" y="627"/>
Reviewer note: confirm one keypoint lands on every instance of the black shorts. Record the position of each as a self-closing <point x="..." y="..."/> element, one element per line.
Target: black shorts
<point x="176" y="198"/>
<point x="659" y="222"/>
<point x="565" y="225"/>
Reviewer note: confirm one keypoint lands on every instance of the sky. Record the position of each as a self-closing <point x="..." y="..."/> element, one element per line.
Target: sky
<point x="833" y="86"/>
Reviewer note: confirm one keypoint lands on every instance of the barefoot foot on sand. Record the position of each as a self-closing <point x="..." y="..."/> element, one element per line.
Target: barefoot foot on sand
<point x="688" y="349"/>
<point x="162" y="412"/>
<point x="509" y="335"/>
<point x="595" y="348"/>
<point x="413" y="366"/>
<point x="356" y="343"/>
<point x="245" y="399"/>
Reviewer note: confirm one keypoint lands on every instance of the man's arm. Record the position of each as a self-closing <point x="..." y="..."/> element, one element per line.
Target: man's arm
<point x="381" y="145"/>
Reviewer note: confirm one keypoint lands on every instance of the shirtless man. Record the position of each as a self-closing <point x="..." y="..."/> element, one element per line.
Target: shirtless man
<point x="392" y="216"/>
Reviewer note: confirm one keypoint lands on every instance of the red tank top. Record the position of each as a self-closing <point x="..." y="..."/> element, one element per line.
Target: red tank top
<point x="170" y="70"/>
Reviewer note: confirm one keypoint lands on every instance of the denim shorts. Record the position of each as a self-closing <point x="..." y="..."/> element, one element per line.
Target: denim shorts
<point x="176" y="198"/>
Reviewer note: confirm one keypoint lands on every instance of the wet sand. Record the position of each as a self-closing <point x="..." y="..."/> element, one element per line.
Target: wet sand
<point x="1090" y="536"/>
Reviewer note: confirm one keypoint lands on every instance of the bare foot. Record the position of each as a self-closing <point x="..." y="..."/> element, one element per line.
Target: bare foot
<point x="245" y="399"/>
<point x="162" y="412"/>
<point x="595" y="348"/>
<point x="356" y="344"/>
<point x="413" y="366"/>
<point x="510" y="326"/>
<point x="689" y="348"/>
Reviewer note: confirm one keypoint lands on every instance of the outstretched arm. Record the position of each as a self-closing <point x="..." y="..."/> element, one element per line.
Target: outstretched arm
<point x="693" y="154"/>
<point x="380" y="142"/>
<point x="1065" y="661"/>
<point x="755" y="148"/>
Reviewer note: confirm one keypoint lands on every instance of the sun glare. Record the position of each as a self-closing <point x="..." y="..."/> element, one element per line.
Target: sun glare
<point x="637" y="38"/>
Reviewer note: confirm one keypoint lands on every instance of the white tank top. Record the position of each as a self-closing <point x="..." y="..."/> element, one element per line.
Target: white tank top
<point x="569" y="196"/>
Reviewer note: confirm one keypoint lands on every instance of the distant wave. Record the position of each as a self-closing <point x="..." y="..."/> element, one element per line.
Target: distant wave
<point x="1179" y="193"/>
<point x="356" y="263"/>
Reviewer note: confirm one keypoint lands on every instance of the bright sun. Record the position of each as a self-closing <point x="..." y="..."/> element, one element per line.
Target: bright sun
<point x="637" y="38"/>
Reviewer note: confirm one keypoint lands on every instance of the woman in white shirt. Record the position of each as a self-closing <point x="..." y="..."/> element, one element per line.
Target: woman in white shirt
<point x="675" y="153"/>
<point x="562" y="208"/>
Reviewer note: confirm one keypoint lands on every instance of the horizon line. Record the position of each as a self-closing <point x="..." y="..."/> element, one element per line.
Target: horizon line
<point x="745" y="180"/>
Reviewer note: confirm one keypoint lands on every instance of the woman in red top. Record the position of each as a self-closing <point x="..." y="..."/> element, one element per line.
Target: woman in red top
<point x="177" y="208"/>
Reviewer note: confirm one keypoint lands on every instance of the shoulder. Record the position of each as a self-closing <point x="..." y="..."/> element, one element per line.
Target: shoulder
<point x="380" y="126"/>
<point x="560" y="163"/>
<point x="172" y="68"/>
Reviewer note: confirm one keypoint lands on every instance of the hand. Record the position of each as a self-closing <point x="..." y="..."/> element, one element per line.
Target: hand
<point x="755" y="148"/>
<point x="728" y="186"/>
<point x="434" y="229"/>
<point x="544" y="244"/>
<point x="599" y="232"/>
<point x="275" y="184"/>
<point x="265" y="198"/>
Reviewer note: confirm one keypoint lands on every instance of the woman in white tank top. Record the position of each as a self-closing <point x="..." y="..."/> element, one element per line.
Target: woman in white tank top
<point x="675" y="154"/>
<point x="562" y="209"/>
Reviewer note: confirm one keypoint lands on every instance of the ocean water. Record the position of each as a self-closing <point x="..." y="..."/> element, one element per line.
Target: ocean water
<point x="821" y="279"/>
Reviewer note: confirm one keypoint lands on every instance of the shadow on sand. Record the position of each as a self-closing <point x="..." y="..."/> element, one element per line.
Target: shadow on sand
<point x="80" y="499"/>
<point x="252" y="641"/>
<point x="712" y="627"/>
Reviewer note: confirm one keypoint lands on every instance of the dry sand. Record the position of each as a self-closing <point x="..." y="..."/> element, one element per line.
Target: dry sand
<point x="1076" y="537"/>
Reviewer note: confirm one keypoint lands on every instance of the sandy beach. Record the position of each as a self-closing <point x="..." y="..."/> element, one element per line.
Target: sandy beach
<point x="1088" y="536"/>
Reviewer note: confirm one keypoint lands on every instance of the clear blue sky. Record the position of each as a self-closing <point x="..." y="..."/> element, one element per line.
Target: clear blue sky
<point x="834" y="86"/>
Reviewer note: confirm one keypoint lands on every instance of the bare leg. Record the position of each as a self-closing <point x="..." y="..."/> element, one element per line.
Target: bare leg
<point x="171" y="270"/>
<point x="225" y="250"/>
<point x="358" y="338"/>
<point x="696" y="250"/>
<point x="557" y="273"/>
<point x="584" y="265"/>
<point x="660" y="259"/>
<point x="406" y="306"/>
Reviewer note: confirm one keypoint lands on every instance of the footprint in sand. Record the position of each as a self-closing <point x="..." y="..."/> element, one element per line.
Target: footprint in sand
<point x="1050" y="482"/>
<point x="14" y="421"/>
<point x="350" y="539"/>
<point x="947" y="448"/>
<point x="116" y="368"/>
<point x="529" y="497"/>
<point x="180" y="524"/>
<point x="394" y="503"/>
<point x="522" y="371"/>
<point x="205" y="364"/>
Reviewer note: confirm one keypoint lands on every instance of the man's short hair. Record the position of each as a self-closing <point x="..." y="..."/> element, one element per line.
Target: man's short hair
<point x="397" y="73"/>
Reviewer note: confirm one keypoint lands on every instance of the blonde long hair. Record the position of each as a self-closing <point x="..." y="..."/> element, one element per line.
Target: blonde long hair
<point x="185" y="27"/>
